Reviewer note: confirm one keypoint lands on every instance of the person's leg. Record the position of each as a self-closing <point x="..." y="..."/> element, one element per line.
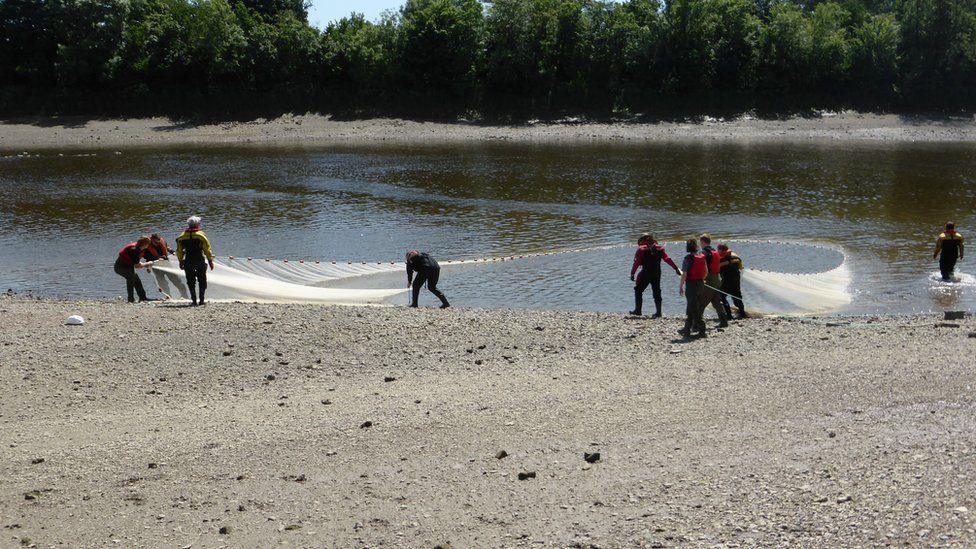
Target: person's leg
<point x="716" y="300"/>
<point x="191" y="280"/>
<point x="691" y="310"/>
<point x="418" y="283"/>
<point x="947" y="264"/>
<point x="735" y="288"/>
<point x="137" y="282"/>
<point x="202" y="281"/>
<point x="432" y="278"/>
<point x="124" y="272"/>
<point x="656" y="292"/>
<point x="639" y="286"/>
<point x="698" y="290"/>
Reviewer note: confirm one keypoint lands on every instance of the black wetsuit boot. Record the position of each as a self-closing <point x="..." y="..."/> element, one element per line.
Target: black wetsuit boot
<point x="656" y="291"/>
<point x="638" y="300"/>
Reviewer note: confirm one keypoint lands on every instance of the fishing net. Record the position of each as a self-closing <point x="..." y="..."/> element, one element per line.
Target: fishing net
<point x="330" y="282"/>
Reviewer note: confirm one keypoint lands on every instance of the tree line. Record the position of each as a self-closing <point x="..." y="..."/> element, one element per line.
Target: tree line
<point x="506" y="58"/>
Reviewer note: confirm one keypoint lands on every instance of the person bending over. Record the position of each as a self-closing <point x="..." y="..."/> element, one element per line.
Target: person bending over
<point x="194" y="254"/>
<point x="713" y="282"/>
<point x="157" y="249"/>
<point x="731" y="269"/>
<point x="428" y="271"/>
<point x="949" y="249"/>
<point x="648" y="258"/>
<point x="694" y="269"/>
<point x="128" y="260"/>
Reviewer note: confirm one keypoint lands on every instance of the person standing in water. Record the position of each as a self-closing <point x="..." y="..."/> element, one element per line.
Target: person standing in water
<point x="713" y="282"/>
<point x="192" y="247"/>
<point x="128" y="260"/>
<point x="648" y="258"/>
<point x="694" y="270"/>
<point x="949" y="249"/>
<point x="730" y="266"/>
<point x="428" y="271"/>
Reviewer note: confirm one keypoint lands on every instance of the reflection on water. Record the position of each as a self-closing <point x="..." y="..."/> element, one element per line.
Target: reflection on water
<point x="64" y="216"/>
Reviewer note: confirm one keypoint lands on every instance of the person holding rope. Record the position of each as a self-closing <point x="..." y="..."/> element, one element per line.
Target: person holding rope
<point x="730" y="266"/>
<point x="713" y="282"/>
<point x="694" y="270"/>
<point x="191" y="247"/>
<point x="648" y="258"/>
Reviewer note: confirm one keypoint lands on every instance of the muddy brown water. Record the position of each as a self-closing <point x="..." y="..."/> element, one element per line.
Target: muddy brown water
<point x="64" y="214"/>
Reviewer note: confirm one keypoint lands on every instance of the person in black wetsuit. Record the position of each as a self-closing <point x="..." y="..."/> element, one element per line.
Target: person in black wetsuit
<point x="428" y="271"/>
<point x="194" y="254"/>
<point x="730" y="266"/>
<point x="949" y="249"/>
<point x="648" y="258"/>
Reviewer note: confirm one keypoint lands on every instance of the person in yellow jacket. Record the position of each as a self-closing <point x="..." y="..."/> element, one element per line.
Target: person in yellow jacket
<point x="949" y="249"/>
<point x="192" y="246"/>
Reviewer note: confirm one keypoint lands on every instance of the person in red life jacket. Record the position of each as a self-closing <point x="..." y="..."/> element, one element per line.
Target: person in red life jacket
<point x="157" y="248"/>
<point x="731" y="271"/>
<point x="949" y="249"/>
<point x="694" y="270"/>
<point x="128" y="260"/>
<point x="427" y="270"/>
<point x="713" y="281"/>
<point x="648" y="258"/>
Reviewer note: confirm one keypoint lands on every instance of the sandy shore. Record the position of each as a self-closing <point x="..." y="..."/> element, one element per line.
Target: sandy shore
<point x="24" y="134"/>
<point x="262" y="425"/>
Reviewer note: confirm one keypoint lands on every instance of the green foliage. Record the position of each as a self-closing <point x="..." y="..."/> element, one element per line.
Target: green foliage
<point x="508" y="57"/>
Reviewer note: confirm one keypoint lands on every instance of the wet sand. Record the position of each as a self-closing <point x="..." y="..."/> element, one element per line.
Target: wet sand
<point x="260" y="425"/>
<point x="74" y="132"/>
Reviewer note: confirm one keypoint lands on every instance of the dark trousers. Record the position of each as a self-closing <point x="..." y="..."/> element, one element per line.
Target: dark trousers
<point x="196" y="275"/>
<point x="429" y="276"/>
<point x="645" y="279"/>
<point x="732" y="286"/>
<point x="132" y="281"/>
<point x="694" y="293"/>
<point x="710" y="296"/>
<point x="947" y="264"/>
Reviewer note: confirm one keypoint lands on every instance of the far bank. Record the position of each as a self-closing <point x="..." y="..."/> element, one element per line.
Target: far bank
<point x="99" y="133"/>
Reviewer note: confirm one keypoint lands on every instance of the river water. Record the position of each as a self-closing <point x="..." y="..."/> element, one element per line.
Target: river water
<point x="65" y="214"/>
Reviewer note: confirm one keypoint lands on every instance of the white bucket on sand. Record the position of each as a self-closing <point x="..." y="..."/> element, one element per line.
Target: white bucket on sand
<point x="75" y="320"/>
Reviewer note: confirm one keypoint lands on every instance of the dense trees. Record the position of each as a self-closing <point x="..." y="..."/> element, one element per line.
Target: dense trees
<point x="504" y="58"/>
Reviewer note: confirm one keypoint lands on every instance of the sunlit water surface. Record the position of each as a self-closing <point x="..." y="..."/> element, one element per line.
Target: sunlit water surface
<point x="64" y="214"/>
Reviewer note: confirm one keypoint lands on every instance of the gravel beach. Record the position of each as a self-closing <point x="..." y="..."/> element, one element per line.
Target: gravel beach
<point x="316" y="130"/>
<point x="244" y="425"/>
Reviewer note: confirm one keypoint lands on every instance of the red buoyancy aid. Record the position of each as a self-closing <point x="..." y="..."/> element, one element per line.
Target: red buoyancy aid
<point x="714" y="262"/>
<point x="130" y="254"/>
<point x="698" y="268"/>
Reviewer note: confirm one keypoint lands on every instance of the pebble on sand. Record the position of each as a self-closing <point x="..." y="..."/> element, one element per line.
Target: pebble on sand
<point x="366" y="425"/>
<point x="502" y="454"/>
<point x="224" y="530"/>
<point x="526" y="475"/>
<point x="591" y="457"/>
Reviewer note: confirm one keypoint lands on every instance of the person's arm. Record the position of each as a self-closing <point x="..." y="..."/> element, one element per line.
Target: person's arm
<point x="669" y="261"/>
<point x="179" y="252"/>
<point x="938" y="248"/>
<point x="409" y="273"/>
<point x="205" y="248"/>
<point x="681" y="285"/>
<point x="962" y="249"/>
<point x="637" y="261"/>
